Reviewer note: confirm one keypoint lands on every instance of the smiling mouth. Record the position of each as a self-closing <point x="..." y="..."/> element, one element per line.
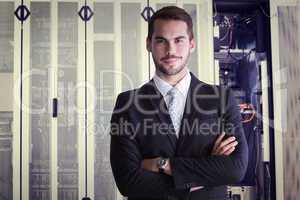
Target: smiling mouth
<point x="170" y="60"/>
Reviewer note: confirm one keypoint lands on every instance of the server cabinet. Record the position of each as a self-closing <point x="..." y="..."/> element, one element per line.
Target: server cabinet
<point x="62" y="63"/>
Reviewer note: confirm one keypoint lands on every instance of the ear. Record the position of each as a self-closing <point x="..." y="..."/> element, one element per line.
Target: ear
<point x="192" y="45"/>
<point x="148" y="44"/>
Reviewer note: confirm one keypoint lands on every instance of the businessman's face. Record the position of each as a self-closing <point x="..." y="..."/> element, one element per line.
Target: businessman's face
<point x="170" y="46"/>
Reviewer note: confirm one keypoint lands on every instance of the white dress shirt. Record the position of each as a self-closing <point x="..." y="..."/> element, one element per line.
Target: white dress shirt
<point x="183" y="86"/>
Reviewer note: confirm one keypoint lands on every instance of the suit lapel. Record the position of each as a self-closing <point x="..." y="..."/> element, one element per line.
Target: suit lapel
<point x="189" y="110"/>
<point x="159" y="106"/>
<point x="190" y="105"/>
<point x="194" y="104"/>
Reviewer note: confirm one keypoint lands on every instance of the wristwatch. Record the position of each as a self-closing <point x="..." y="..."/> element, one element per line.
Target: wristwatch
<point x="162" y="164"/>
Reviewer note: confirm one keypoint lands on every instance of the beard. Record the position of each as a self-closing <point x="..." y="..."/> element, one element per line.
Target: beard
<point x="171" y="70"/>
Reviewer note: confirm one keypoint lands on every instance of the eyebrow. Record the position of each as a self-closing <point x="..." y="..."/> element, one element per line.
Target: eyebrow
<point x="159" y="38"/>
<point x="162" y="38"/>
<point x="180" y="37"/>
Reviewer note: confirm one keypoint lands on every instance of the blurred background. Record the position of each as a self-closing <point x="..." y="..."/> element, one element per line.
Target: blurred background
<point x="63" y="62"/>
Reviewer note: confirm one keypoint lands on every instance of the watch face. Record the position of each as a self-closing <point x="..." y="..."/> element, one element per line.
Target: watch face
<point x="162" y="162"/>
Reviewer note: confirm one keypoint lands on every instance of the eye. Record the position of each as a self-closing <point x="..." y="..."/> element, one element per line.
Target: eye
<point x="179" y="40"/>
<point x="159" y="41"/>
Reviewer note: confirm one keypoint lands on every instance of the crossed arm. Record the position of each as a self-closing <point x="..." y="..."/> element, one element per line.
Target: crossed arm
<point x="136" y="177"/>
<point x="221" y="147"/>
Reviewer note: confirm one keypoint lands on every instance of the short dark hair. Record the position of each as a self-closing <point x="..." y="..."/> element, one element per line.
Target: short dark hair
<point x="171" y="13"/>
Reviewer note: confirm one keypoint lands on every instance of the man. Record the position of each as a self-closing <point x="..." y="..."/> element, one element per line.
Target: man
<point x="165" y="135"/>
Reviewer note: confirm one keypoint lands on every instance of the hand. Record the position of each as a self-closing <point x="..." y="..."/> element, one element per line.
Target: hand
<point x="151" y="165"/>
<point x="225" y="147"/>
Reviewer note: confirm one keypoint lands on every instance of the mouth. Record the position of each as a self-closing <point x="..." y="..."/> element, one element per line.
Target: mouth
<point x="170" y="60"/>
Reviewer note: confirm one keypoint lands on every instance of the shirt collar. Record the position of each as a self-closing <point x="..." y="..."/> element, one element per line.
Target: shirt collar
<point x="183" y="85"/>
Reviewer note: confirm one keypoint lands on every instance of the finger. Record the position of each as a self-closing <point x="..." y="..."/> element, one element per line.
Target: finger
<point x="224" y="143"/>
<point x="217" y="144"/>
<point x="227" y="147"/>
<point x="227" y="141"/>
<point x="219" y="140"/>
<point x="227" y="153"/>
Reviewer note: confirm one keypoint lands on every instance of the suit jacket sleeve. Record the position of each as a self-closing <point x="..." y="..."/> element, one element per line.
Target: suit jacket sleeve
<point x="215" y="170"/>
<point x="125" y="158"/>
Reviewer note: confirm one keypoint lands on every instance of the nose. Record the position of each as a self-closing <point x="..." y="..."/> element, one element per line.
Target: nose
<point x="171" y="49"/>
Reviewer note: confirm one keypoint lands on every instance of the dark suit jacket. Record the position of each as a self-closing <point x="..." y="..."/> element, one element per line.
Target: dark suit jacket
<point x="141" y="128"/>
